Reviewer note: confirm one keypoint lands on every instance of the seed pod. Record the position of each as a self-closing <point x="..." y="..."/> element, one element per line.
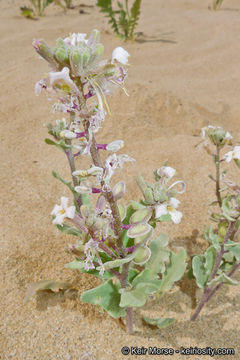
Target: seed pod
<point x="142" y="255"/>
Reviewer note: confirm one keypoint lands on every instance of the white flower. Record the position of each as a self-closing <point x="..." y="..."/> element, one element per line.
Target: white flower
<point x="120" y="55"/>
<point x="63" y="211"/>
<point x="115" y="145"/>
<point x="62" y="77"/>
<point x="166" y="171"/>
<point x="165" y="209"/>
<point x="67" y="134"/>
<point x="74" y="39"/>
<point x="235" y="154"/>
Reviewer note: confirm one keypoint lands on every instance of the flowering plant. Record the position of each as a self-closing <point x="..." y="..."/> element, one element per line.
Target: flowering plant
<point x="114" y="242"/>
<point x="222" y="258"/>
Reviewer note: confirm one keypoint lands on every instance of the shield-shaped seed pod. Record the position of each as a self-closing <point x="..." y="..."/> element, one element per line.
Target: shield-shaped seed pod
<point x="142" y="215"/>
<point x="143" y="239"/>
<point x="122" y="211"/>
<point x="119" y="190"/>
<point x="138" y="230"/>
<point x="142" y="255"/>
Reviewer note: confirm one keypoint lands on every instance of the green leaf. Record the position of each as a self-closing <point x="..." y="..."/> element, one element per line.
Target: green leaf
<point x="160" y="323"/>
<point x="135" y="13"/>
<point x="212" y="238"/>
<point x="106" y="296"/>
<point x="75" y="264"/>
<point x="199" y="271"/>
<point x="137" y="297"/>
<point x="228" y="213"/>
<point x="159" y="255"/>
<point x="116" y="263"/>
<point x="59" y="144"/>
<point x="65" y="228"/>
<point x="133" y="298"/>
<point x="174" y="271"/>
<point x="132" y="274"/>
<point x="210" y="259"/>
<point x="222" y="278"/>
<point x="234" y="248"/>
<point x="52" y="285"/>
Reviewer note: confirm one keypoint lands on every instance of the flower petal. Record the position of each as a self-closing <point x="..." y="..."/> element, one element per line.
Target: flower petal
<point x="176" y="216"/>
<point x="160" y="210"/>
<point x="121" y="55"/>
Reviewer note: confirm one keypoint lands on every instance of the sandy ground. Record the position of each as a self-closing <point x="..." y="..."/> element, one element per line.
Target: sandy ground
<point x="185" y="74"/>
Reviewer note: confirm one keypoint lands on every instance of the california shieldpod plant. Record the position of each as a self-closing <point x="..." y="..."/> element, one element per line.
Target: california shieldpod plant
<point x="114" y="241"/>
<point x="215" y="267"/>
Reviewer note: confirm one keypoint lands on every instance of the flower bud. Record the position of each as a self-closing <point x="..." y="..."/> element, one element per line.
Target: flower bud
<point x="142" y="255"/>
<point x="45" y="52"/>
<point x="217" y="135"/>
<point x="67" y="134"/>
<point x="62" y="56"/>
<point x="98" y="52"/>
<point x="94" y="39"/>
<point x="115" y="145"/>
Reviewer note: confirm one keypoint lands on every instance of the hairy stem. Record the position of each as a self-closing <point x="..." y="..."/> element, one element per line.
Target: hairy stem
<point x="71" y="162"/>
<point x="107" y="194"/>
<point x="208" y="292"/>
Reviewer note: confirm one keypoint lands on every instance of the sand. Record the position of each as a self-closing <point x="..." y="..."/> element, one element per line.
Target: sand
<point x="185" y="74"/>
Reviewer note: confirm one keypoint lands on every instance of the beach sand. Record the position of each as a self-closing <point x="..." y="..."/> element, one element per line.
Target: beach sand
<point x="184" y="74"/>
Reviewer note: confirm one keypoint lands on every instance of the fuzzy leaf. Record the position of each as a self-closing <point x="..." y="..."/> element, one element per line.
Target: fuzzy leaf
<point x="159" y="256"/>
<point x="160" y="323"/>
<point x="52" y="285"/>
<point x="174" y="271"/>
<point x="116" y="263"/>
<point x="210" y="259"/>
<point x="234" y="248"/>
<point x="212" y="238"/>
<point x="223" y="278"/>
<point x="75" y="264"/>
<point x="199" y="271"/>
<point x="59" y="144"/>
<point x="138" y="296"/>
<point x="107" y="296"/>
<point x="65" y="228"/>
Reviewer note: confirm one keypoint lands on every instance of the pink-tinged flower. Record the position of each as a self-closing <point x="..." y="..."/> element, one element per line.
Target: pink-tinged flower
<point x="62" y="211"/>
<point x="62" y="77"/>
<point x="91" y="250"/>
<point x="169" y="209"/>
<point x="121" y="55"/>
<point x="41" y="84"/>
<point x="113" y="162"/>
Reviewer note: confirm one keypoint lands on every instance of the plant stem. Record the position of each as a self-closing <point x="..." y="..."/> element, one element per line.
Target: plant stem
<point x="208" y="292"/>
<point x="217" y="162"/>
<point x="71" y="162"/>
<point x="129" y="311"/>
<point x="107" y="194"/>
